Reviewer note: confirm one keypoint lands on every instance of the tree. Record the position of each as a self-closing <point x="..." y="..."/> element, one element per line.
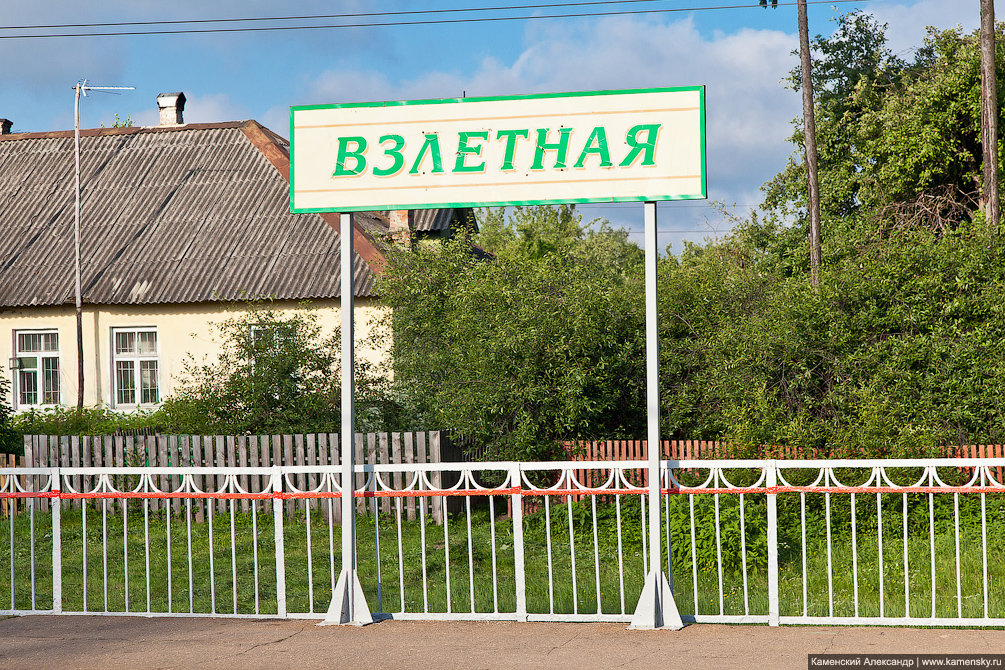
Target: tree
<point x="899" y="141"/>
<point x="539" y="344"/>
<point x="536" y="232"/>
<point x="533" y="232"/>
<point x="898" y="351"/>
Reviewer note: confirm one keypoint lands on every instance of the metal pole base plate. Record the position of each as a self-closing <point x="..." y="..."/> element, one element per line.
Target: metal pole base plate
<point x="346" y="610"/>
<point x="656" y="608"/>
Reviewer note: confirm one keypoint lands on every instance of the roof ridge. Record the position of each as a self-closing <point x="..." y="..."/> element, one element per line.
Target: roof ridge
<point x="127" y="130"/>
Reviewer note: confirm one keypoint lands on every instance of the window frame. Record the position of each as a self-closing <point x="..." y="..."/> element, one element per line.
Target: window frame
<point x="136" y="361"/>
<point x="41" y="393"/>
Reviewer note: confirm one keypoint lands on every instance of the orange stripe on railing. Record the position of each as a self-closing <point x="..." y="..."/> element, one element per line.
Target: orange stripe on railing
<point x="838" y="489"/>
<point x="144" y="495"/>
<point x="150" y="495"/>
<point x="31" y="494"/>
<point x="580" y="492"/>
<point x="442" y="494"/>
<point x="299" y="495"/>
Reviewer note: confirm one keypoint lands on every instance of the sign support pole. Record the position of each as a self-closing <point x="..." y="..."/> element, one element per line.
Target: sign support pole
<point x="348" y="604"/>
<point x="656" y="607"/>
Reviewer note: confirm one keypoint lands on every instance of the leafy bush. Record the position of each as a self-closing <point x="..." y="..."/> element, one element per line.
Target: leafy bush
<point x="899" y="351"/>
<point x="86" y="421"/>
<point x="537" y="345"/>
<point x="729" y="543"/>
<point x="274" y="373"/>
<point x="9" y="438"/>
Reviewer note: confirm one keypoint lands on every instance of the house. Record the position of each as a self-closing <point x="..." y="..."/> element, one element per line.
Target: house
<point x="178" y="223"/>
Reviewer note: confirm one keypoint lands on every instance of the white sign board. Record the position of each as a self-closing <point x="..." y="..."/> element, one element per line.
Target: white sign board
<point x="606" y="146"/>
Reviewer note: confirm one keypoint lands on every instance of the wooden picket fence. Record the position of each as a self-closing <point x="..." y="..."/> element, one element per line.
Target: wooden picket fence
<point x="631" y="450"/>
<point x="627" y="450"/>
<point x="240" y="451"/>
<point x="138" y="450"/>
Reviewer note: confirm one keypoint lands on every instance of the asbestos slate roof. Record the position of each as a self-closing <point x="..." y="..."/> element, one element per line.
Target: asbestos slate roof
<point x="190" y="213"/>
<point x="428" y="220"/>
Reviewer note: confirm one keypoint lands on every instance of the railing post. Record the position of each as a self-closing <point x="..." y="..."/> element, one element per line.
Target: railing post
<point x="771" y="480"/>
<point x="519" y="566"/>
<point x="57" y="545"/>
<point x="277" y="518"/>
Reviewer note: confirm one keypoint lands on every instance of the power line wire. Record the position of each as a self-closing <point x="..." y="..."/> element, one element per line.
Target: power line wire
<point x="379" y="24"/>
<point x="459" y="10"/>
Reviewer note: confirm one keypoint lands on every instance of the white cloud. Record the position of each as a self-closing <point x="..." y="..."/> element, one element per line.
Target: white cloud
<point x="906" y="23"/>
<point x="334" y="86"/>
<point x="213" y="108"/>
<point x="748" y="109"/>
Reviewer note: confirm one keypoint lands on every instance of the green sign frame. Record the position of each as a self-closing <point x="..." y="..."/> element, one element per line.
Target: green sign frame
<point x="579" y="97"/>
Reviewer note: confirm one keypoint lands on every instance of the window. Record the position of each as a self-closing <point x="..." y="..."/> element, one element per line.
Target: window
<point x="135" y="366"/>
<point x="37" y="379"/>
<point x="271" y="358"/>
<point x="271" y="339"/>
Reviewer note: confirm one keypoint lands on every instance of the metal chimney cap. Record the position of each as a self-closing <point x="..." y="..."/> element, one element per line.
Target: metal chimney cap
<point x="171" y="106"/>
<point x="171" y="100"/>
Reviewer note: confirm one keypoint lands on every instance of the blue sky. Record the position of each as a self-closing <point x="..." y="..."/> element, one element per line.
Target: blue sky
<point x="740" y="55"/>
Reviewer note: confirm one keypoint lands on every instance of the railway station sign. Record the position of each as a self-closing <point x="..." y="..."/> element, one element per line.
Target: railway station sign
<point x="601" y="146"/>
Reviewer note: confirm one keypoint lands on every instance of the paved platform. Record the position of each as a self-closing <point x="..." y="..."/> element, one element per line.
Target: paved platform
<point x="112" y="643"/>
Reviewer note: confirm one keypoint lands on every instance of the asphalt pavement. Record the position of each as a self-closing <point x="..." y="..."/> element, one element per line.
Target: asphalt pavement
<point x="119" y="642"/>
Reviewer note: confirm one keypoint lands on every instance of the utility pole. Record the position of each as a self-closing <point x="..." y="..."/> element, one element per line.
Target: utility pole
<point x="80" y="88"/>
<point x="810" y="143"/>
<point x="989" y="114"/>
<point x="810" y="136"/>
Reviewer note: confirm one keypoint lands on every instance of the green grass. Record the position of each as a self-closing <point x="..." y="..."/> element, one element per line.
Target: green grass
<point x="131" y="543"/>
<point x="921" y="535"/>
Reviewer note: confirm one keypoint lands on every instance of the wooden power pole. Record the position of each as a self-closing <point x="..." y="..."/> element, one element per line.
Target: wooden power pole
<point x="989" y="114"/>
<point x="810" y="143"/>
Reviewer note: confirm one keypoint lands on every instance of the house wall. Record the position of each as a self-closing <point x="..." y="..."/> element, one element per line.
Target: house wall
<point x="182" y="330"/>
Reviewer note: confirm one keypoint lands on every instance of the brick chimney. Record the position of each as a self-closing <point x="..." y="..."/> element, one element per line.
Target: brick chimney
<point x="398" y="225"/>
<point x="171" y="106"/>
<point x="398" y="219"/>
<point x="5" y="125"/>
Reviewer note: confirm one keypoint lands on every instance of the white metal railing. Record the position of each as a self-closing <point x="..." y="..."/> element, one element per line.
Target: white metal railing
<point x="904" y="542"/>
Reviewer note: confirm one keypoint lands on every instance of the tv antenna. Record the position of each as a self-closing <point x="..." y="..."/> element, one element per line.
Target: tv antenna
<point x="81" y="88"/>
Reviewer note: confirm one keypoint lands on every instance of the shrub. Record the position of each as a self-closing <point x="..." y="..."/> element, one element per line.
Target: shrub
<point x="274" y="373"/>
<point x="9" y="438"/>
<point x="86" y="421"/>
